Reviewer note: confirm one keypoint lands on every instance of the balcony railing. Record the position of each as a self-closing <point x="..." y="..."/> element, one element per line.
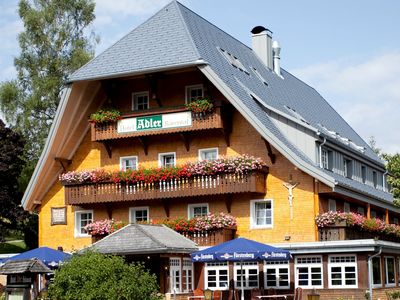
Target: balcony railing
<point x="341" y="232"/>
<point x="211" y="238"/>
<point x="190" y="122"/>
<point x="176" y="188"/>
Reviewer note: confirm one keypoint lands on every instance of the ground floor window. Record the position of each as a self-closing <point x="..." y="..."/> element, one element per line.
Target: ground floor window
<point x="389" y="271"/>
<point x="308" y="271"/>
<point x="217" y="276"/>
<point x="276" y="274"/>
<point x="181" y="274"/>
<point x="249" y="272"/>
<point x="376" y="271"/>
<point x="175" y="274"/>
<point x="342" y="271"/>
<point x="187" y="275"/>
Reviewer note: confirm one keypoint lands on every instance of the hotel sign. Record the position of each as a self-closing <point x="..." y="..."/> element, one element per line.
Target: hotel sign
<point x="155" y="122"/>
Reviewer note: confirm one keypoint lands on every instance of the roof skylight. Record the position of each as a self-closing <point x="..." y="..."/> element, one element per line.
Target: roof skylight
<point x="262" y="79"/>
<point x="295" y="114"/>
<point x="343" y="140"/>
<point x="233" y="60"/>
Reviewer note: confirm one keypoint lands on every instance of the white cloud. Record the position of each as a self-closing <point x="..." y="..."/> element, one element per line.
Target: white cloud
<point x="366" y="94"/>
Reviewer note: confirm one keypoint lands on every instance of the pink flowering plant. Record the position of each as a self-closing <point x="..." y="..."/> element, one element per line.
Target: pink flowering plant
<point x="240" y="165"/>
<point x="208" y="222"/>
<point x="374" y="225"/>
<point x="103" y="227"/>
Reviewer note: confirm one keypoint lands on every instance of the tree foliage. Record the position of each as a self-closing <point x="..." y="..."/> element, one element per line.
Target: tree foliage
<point x="102" y="277"/>
<point x="55" y="42"/>
<point x="11" y="149"/>
<point x="393" y="166"/>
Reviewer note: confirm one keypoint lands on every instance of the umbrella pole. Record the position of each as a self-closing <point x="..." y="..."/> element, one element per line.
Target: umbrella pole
<point x="241" y="280"/>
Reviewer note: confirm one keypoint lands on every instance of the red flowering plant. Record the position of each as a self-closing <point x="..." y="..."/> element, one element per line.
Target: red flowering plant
<point x="103" y="227"/>
<point x="241" y="165"/>
<point x="374" y="225"/>
<point x="200" y="105"/>
<point x="105" y="116"/>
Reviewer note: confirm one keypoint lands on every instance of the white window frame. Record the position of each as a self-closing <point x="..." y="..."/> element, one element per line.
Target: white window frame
<point x="331" y="205"/>
<point x="125" y="158"/>
<point x="161" y="156"/>
<point x="132" y="210"/>
<point x="342" y="265"/>
<point x="246" y="266"/>
<point x="136" y="94"/>
<point x="309" y="265"/>
<point x="380" y="272"/>
<point x="361" y="210"/>
<point x="188" y="89"/>
<point x="187" y="265"/>
<point x="217" y="267"/>
<point x="172" y="269"/>
<point x="346" y="207"/>
<point x="191" y="208"/>
<point x="277" y="266"/>
<point x="201" y="151"/>
<point x="77" y="225"/>
<point x="390" y="284"/>
<point x="253" y="223"/>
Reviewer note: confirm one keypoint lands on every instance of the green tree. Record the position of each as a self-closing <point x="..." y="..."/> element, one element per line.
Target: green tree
<point x="55" y="42"/>
<point x="393" y="167"/>
<point x="94" y="276"/>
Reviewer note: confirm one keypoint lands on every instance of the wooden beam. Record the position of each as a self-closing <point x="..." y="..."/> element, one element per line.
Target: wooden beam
<point x="226" y="112"/>
<point x="154" y="88"/>
<point x="186" y="140"/>
<point x="63" y="162"/>
<point x="108" y="147"/>
<point x="228" y="202"/>
<point x="387" y="216"/>
<point x="166" y="208"/>
<point x="368" y="211"/>
<point x="145" y="146"/>
<point x="271" y="155"/>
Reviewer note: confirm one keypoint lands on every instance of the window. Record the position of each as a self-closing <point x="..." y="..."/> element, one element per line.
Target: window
<point x="187" y="275"/>
<point x="82" y="218"/>
<point x="395" y="221"/>
<point x="342" y="271"/>
<point x="166" y="160"/>
<point x="261" y="213"/>
<point x="217" y="276"/>
<point x="128" y="163"/>
<point x="376" y="271"/>
<point x="372" y="213"/>
<point x="361" y="210"/>
<point x="197" y="210"/>
<point x="175" y="274"/>
<point x="140" y="101"/>
<point x="326" y="159"/>
<point x="249" y="272"/>
<point x="193" y="92"/>
<point x="363" y="174"/>
<point x="346" y="207"/>
<point x="139" y="214"/>
<point x="348" y="168"/>
<point x="276" y="274"/>
<point x="308" y="272"/>
<point x="374" y="178"/>
<point x="389" y="271"/>
<point x="332" y="205"/>
<point x="208" y="154"/>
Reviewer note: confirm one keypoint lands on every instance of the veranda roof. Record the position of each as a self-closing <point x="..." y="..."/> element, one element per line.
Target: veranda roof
<point x="24" y="266"/>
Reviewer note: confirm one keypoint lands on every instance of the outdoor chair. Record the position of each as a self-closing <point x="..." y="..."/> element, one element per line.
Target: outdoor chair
<point x="217" y="295"/>
<point x="208" y="294"/>
<point x="233" y="295"/>
<point x="197" y="295"/>
<point x="298" y="292"/>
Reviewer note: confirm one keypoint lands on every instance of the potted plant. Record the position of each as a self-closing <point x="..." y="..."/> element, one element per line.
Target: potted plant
<point x="200" y="107"/>
<point x="105" y="116"/>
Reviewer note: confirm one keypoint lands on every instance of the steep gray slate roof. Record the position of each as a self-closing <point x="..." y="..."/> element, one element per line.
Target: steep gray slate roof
<point x="24" y="266"/>
<point x="176" y="35"/>
<point x="144" y="239"/>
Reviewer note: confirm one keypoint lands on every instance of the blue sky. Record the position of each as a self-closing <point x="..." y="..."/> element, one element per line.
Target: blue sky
<point x="348" y="50"/>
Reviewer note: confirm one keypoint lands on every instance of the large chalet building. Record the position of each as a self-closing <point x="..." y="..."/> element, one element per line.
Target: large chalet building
<point x="315" y="161"/>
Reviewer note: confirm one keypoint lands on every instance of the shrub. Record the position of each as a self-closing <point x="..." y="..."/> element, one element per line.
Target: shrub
<point x="94" y="276"/>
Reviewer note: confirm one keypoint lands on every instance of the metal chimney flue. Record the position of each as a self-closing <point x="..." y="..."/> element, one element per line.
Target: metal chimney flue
<point x="276" y="49"/>
<point x="262" y="44"/>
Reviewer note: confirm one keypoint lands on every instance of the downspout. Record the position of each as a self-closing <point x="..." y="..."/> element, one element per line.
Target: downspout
<point x="320" y="152"/>
<point x="370" y="271"/>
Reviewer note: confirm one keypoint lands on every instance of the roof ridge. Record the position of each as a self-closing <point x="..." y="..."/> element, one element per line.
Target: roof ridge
<point x="139" y="226"/>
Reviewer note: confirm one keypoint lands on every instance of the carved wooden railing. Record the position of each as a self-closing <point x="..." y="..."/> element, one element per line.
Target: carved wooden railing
<point x="109" y="131"/>
<point x="183" y="187"/>
<point x="342" y="232"/>
<point x="211" y="238"/>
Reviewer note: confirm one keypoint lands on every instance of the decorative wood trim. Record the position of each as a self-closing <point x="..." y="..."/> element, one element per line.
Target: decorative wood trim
<point x="144" y="144"/>
<point x="166" y="207"/>
<point x="63" y="162"/>
<point x="186" y="140"/>
<point x="108" y="147"/>
<point x="109" y="211"/>
<point x="152" y="79"/>
<point x="271" y="155"/>
<point x="226" y="116"/>
<point x="228" y="202"/>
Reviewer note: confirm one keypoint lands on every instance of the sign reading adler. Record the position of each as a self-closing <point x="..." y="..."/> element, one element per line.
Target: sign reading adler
<point x="155" y="122"/>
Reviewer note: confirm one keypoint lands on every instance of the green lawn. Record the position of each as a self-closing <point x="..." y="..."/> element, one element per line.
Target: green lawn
<point x="15" y="246"/>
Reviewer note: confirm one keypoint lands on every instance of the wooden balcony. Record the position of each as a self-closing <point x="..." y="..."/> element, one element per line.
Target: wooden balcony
<point x="178" y="188"/>
<point x="342" y="232"/>
<point x="189" y="123"/>
<point x="211" y="238"/>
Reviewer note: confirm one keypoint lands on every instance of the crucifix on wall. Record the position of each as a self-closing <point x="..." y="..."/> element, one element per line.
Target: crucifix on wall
<point x="290" y="186"/>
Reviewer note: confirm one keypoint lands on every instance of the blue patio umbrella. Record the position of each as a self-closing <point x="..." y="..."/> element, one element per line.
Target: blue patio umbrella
<point x="239" y="250"/>
<point x="49" y="256"/>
